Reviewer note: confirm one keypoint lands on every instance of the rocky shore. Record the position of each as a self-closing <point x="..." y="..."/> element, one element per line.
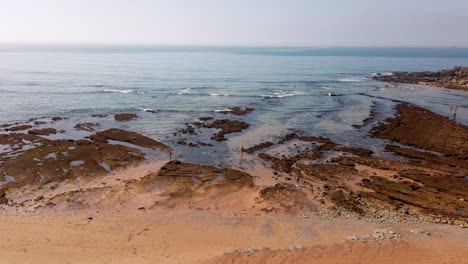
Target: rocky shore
<point x="456" y="78"/>
<point x="294" y="177"/>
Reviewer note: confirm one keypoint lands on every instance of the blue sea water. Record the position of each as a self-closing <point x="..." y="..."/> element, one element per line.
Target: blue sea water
<point x="288" y="87"/>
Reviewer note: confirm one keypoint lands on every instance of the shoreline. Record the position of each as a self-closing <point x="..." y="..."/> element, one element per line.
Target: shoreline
<point x="295" y="188"/>
<point x="456" y="78"/>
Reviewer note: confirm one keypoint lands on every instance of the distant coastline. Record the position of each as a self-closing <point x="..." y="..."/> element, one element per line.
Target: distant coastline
<point x="456" y="78"/>
<point x="396" y="52"/>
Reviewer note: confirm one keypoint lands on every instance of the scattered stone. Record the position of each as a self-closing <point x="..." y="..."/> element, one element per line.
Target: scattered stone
<point x="205" y="118"/>
<point x="238" y="111"/>
<point x="3" y="199"/>
<point x="86" y="126"/>
<point x="258" y="147"/>
<point x="204" y="144"/>
<point x="125" y="117"/>
<point x="100" y="115"/>
<point x="57" y="118"/>
<point x="43" y="131"/>
<point x="188" y="130"/>
<point x="287" y="198"/>
<point x="295" y="248"/>
<point x="18" y="128"/>
<point x="182" y="142"/>
<point x="181" y="179"/>
<point x="37" y="123"/>
<point x="345" y="201"/>
<point x="226" y="126"/>
<point x="39" y="198"/>
<point x="50" y="204"/>
<point x="128" y="137"/>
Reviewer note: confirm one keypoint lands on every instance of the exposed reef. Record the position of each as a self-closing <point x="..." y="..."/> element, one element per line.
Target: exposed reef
<point x="456" y="78"/>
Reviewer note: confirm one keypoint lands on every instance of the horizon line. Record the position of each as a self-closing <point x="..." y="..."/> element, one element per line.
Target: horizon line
<point x="77" y="44"/>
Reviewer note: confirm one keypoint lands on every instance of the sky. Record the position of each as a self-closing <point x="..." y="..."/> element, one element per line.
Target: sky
<point x="420" y="23"/>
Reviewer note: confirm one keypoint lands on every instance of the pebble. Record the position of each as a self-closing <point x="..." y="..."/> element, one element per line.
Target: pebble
<point x="294" y="248"/>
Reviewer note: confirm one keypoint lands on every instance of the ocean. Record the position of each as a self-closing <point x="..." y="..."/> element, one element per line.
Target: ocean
<point x="170" y="86"/>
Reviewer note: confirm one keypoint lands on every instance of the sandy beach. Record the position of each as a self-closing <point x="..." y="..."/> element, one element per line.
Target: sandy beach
<point x="212" y="236"/>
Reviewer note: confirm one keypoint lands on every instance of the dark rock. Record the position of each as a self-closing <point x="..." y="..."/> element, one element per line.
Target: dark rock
<point x="18" y="128"/>
<point x="57" y="118"/>
<point x="238" y="111"/>
<point x="37" y="123"/>
<point x="3" y="199"/>
<point x="43" y="131"/>
<point x="456" y="78"/>
<point x="125" y="117"/>
<point x="205" y="118"/>
<point x="227" y="127"/>
<point x="258" y="147"/>
<point x="86" y="126"/>
<point x="415" y="126"/>
<point x="99" y="115"/>
<point x="286" y="197"/>
<point x="129" y="137"/>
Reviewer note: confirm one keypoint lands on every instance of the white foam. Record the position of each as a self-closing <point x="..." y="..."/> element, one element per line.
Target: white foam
<point x="119" y="91"/>
<point x="150" y="110"/>
<point x="185" y="91"/>
<point x="281" y="94"/>
<point x="351" y="79"/>
<point x="216" y="94"/>
<point x="223" y="110"/>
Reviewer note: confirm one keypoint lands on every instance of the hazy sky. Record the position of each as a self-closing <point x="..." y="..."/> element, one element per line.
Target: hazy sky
<point x="237" y="22"/>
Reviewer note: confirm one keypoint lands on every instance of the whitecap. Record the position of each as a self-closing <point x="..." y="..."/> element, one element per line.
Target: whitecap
<point x="281" y="94"/>
<point x="350" y="79"/>
<point x="216" y="94"/>
<point x="119" y="91"/>
<point x="185" y="91"/>
<point x="149" y="110"/>
<point x="223" y="110"/>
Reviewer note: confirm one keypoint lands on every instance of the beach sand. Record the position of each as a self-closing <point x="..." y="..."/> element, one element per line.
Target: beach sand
<point x="193" y="236"/>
